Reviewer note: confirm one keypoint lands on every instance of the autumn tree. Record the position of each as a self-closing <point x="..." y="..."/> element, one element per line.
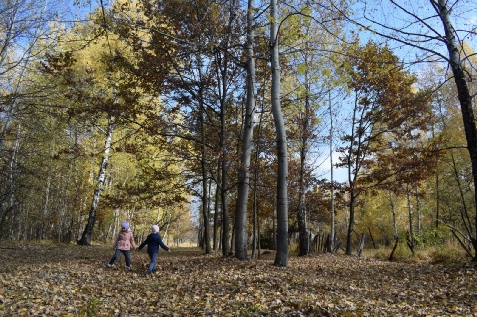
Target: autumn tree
<point x="205" y="61"/>
<point x="103" y="90"/>
<point x="24" y="24"/>
<point x="430" y="29"/>
<point x="386" y="110"/>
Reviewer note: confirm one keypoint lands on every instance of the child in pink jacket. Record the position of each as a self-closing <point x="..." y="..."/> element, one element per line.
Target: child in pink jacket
<point x="123" y="244"/>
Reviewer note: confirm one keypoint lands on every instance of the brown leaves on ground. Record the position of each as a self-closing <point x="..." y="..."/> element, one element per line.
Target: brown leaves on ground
<point x="74" y="281"/>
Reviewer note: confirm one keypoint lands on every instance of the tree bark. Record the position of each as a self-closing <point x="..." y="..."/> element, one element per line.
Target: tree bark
<point x="302" y="223"/>
<point x="332" y="234"/>
<point x="205" y="209"/>
<point x="352" y="176"/>
<point x="349" y="236"/>
<point x="244" y="169"/>
<point x="218" y="197"/>
<point x="281" y="257"/>
<point x="411" y="241"/>
<point x="418" y="211"/>
<point x="391" y="256"/>
<point x="256" y="213"/>
<point x="88" y="230"/>
<point x="393" y="210"/>
<point x="225" y="211"/>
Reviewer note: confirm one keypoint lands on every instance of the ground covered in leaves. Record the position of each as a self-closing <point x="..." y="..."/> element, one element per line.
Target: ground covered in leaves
<point x="70" y="280"/>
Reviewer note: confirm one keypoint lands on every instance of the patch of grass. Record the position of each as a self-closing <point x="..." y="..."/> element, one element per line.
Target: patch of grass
<point x="445" y="254"/>
<point x="448" y="253"/>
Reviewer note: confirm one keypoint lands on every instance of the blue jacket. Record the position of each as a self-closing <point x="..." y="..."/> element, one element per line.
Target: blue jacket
<point x="153" y="242"/>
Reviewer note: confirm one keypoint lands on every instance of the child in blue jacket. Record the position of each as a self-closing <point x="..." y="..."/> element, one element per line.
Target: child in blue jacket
<point x="153" y="241"/>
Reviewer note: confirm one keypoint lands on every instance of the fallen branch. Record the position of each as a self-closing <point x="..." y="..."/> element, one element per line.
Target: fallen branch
<point x="462" y="244"/>
<point x="457" y="230"/>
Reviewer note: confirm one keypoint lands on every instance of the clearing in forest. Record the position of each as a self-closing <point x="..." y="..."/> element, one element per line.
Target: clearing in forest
<point x="70" y="280"/>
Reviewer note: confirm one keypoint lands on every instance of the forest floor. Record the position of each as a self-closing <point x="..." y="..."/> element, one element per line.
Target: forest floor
<point x="70" y="280"/>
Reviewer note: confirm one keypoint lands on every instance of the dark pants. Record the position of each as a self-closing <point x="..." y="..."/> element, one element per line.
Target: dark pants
<point x="152" y="264"/>
<point x="126" y="256"/>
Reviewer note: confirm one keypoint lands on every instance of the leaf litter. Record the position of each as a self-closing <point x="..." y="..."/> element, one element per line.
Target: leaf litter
<point x="70" y="280"/>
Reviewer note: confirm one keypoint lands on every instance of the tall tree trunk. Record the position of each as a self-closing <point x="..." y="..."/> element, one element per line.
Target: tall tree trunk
<point x="302" y="224"/>
<point x="332" y="234"/>
<point x="244" y="169"/>
<point x="393" y="210"/>
<point x="256" y="214"/>
<point x="223" y="183"/>
<point x="418" y="211"/>
<point x="411" y="241"/>
<point x="222" y="68"/>
<point x="437" y="187"/>
<point x="225" y="211"/>
<point x="255" y="222"/>
<point x="88" y="230"/>
<point x="281" y="257"/>
<point x="200" y="234"/>
<point x="203" y="165"/>
<point x="465" y="99"/>
<point x="45" y="205"/>
<point x="352" y="176"/>
<point x="218" y="197"/>
<point x="349" y="235"/>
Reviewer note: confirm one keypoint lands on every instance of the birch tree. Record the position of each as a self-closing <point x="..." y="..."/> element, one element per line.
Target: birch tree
<point x="23" y="23"/>
<point x="95" y="73"/>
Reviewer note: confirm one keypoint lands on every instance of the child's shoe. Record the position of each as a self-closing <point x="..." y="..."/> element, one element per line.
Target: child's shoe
<point x="110" y="265"/>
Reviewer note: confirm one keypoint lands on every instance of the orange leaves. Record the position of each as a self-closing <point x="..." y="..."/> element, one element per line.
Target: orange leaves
<point x="388" y="143"/>
<point x="189" y="284"/>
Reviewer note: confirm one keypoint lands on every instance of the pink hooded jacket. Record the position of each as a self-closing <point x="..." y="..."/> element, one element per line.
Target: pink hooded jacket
<point x="124" y="241"/>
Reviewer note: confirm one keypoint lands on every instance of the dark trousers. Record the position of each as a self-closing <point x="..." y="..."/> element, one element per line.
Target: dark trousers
<point x="127" y="257"/>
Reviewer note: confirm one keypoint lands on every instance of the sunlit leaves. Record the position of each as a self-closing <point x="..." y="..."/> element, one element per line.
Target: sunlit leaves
<point x="391" y="118"/>
<point x="72" y="280"/>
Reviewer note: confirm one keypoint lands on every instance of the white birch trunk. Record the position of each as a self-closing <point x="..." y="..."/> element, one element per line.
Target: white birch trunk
<point x="88" y="231"/>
